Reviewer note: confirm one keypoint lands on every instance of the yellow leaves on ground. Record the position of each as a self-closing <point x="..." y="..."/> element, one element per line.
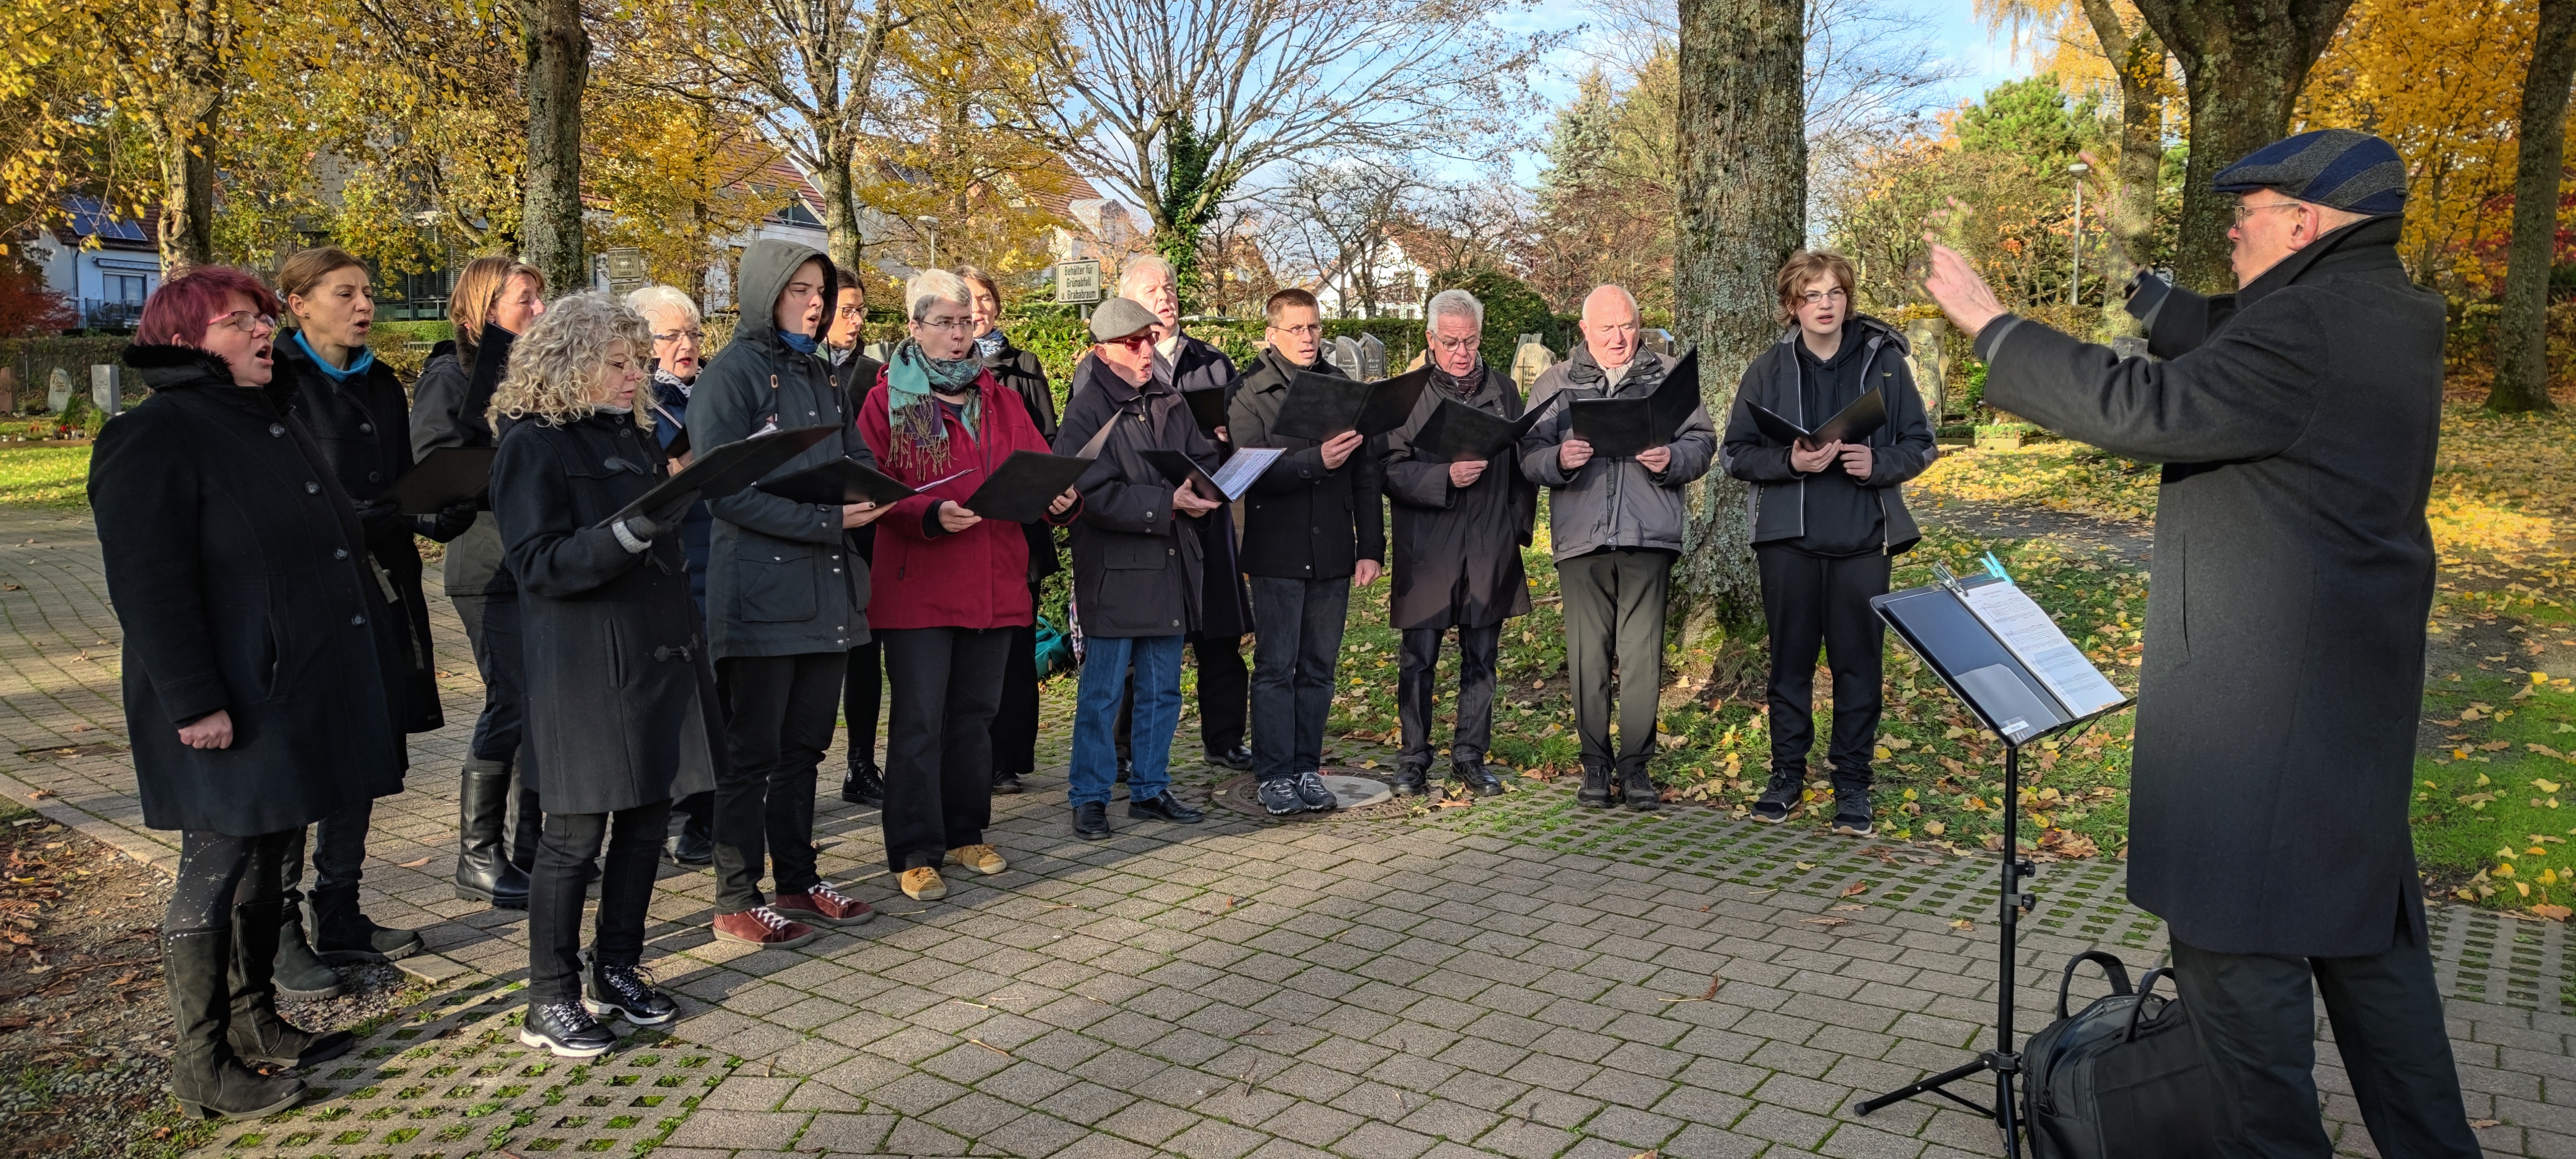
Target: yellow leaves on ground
<point x="2061" y="476"/>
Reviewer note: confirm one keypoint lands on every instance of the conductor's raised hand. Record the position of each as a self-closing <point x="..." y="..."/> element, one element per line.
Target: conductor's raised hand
<point x="1064" y="501"/>
<point x="1188" y="501"/>
<point x="1655" y="458"/>
<point x="1465" y="474"/>
<point x="1955" y="286"/>
<point x="954" y="517"/>
<point x="860" y="514"/>
<point x="1807" y="458"/>
<point x="1856" y="459"/>
<point x="1337" y="450"/>
<point x="1573" y="453"/>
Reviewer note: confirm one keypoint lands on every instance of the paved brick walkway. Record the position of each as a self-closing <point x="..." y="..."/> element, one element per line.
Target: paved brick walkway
<point x="1517" y="978"/>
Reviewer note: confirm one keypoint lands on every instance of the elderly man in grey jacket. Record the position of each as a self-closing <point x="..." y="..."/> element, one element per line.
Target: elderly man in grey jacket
<point x="1616" y="528"/>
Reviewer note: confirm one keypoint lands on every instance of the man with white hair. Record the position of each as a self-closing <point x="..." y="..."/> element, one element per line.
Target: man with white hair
<point x="1459" y="530"/>
<point x="679" y="349"/>
<point x="1615" y="526"/>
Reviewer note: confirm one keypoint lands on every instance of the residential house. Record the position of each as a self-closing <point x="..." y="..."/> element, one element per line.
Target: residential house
<point x="1379" y="281"/>
<point x="107" y="281"/>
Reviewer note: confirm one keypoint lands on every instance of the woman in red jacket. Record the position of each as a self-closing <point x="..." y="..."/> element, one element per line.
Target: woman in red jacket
<point x="948" y="585"/>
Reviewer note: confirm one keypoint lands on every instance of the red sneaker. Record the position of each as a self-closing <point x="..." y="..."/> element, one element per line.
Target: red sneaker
<point x="763" y="926"/>
<point x="823" y="904"/>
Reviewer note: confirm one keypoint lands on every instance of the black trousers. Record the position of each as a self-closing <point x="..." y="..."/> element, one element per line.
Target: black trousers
<point x="939" y="741"/>
<point x="1297" y="630"/>
<point x="862" y="693"/>
<point x="1417" y="693"/>
<point x="339" y="850"/>
<point x="1811" y="602"/>
<point x="492" y="633"/>
<point x="778" y="721"/>
<point x="2255" y="1017"/>
<point x="1015" y="721"/>
<point x="218" y="871"/>
<point x="1225" y="688"/>
<point x="1614" y="622"/>
<point x="567" y="860"/>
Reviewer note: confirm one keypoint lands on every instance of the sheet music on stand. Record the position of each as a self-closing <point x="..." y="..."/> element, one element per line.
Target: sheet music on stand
<point x="2001" y="654"/>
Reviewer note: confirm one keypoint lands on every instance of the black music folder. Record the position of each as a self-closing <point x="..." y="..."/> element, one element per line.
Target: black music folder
<point x="447" y="475"/>
<point x="1320" y="406"/>
<point x="1229" y="482"/>
<point x="845" y="481"/>
<point x="2000" y="654"/>
<point x="1207" y="405"/>
<point x="1025" y="485"/>
<point x="730" y="468"/>
<point x="1458" y="433"/>
<point x="1620" y="428"/>
<point x="1854" y="423"/>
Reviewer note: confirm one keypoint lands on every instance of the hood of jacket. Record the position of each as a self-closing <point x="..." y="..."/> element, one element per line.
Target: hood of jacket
<point x="171" y="366"/>
<point x="765" y="268"/>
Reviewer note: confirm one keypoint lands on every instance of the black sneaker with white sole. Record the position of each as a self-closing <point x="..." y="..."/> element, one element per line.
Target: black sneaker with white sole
<point x="1280" y="798"/>
<point x="1780" y="796"/>
<point x="1316" y="794"/>
<point x="1852" y="812"/>
<point x="622" y="992"/>
<point x="565" y="1029"/>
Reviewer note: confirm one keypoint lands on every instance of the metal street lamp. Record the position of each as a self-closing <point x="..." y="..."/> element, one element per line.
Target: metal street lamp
<point x="2075" y="283"/>
<point x="930" y="235"/>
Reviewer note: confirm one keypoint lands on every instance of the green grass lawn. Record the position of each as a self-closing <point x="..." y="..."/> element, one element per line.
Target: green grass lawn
<point x="39" y="476"/>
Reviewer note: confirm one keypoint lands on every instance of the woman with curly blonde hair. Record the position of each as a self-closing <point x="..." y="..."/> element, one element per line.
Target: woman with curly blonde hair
<point x="620" y="694"/>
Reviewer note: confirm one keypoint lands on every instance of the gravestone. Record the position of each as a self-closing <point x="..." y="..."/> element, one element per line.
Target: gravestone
<point x="1658" y="340"/>
<point x="8" y="389"/>
<point x="58" y="391"/>
<point x="102" y="388"/>
<point x="2130" y="346"/>
<point x="1928" y="357"/>
<point x="1344" y="354"/>
<point x="1531" y="360"/>
<point x="1372" y="357"/>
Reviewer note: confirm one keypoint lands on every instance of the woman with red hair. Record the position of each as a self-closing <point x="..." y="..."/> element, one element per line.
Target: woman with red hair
<point x="252" y="688"/>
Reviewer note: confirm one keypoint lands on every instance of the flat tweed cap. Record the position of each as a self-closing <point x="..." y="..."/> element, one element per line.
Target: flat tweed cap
<point x="1119" y="317"/>
<point x="2338" y="168"/>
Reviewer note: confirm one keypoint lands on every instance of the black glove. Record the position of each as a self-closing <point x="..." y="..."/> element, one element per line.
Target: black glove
<point x="663" y="518"/>
<point x="377" y="516"/>
<point x="2145" y="292"/>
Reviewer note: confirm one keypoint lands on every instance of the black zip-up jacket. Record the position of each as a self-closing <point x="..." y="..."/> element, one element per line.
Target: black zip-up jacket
<point x="1303" y="520"/>
<point x="1137" y="565"/>
<point x="1899" y="451"/>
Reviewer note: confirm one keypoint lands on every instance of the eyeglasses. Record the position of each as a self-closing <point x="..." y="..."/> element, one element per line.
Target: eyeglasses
<point x="1820" y="297"/>
<point x="676" y="335"/>
<point x="946" y="323"/>
<point x="249" y="322"/>
<point x="1132" y="342"/>
<point x="850" y="311"/>
<point x="1307" y="331"/>
<point x="2245" y="211"/>
<point x="1455" y="343"/>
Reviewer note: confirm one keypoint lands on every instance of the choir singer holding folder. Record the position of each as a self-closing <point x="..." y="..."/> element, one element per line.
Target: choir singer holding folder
<point x="1827" y="518"/>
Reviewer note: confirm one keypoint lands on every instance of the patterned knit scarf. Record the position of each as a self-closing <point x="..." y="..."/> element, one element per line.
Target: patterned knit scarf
<point x="912" y="379"/>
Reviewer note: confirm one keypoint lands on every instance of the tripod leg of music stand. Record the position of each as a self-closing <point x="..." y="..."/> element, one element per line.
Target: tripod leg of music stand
<point x="1932" y="1084"/>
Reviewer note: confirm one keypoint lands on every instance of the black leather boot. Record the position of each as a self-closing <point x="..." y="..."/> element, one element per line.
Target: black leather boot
<point x="696" y="844"/>
<point x="205" y="1077"/>
<point x="484" y="872"/>
<point x="257" y="1034"/>
<point x="342" y="935"/>
<point x="299" y="972"/>
<point x="1595" y="793"/>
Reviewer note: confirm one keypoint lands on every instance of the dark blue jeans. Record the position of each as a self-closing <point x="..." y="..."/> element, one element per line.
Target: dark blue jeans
<point x="1297" y="625"/>
<point x="1157" y="660"/>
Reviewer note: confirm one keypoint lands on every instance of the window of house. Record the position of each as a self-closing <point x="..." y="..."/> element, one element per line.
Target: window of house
<point x="126" y="289"/>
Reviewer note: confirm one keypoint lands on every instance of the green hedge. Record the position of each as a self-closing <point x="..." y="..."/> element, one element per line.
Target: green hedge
<point x="31" y="363"/>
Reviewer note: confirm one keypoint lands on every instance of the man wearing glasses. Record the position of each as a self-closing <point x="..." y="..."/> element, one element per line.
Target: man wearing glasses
<point x="1312" y="524"/>
<point x="863" y="687"/>
<point x="1827" y="521"/>
<point x="1615" y="526"/>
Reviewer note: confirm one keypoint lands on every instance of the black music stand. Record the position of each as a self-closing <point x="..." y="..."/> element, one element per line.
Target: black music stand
<point x="1996" y="684"/>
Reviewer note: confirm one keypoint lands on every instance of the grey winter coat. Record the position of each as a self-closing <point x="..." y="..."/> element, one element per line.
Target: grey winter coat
<point x="783" y="578"/>
<point x="1899" y="450"/>
<point x="2293" y="571"/>
<point x="1610" y="503"/>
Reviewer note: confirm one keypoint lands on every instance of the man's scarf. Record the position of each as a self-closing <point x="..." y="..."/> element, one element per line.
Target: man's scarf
<point x="1644" y="370"/>
<point x="912" y="378"/>
<point x="1461" y="387"/>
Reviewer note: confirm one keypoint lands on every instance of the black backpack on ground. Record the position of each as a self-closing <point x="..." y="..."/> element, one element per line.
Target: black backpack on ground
<point x="2121" y="1079"/>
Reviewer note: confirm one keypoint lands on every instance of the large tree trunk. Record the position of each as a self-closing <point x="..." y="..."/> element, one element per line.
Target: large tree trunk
<point x="840" y="201"/>
<point x="187" y="177"/>
<point x="1743" y="193"/>
<point x="2243" y="64"/>
<point x="2138" y="60"/>
<point x="179" y="65"/>
<point x="557" y="70"/>
<point x="2522" y="326"/>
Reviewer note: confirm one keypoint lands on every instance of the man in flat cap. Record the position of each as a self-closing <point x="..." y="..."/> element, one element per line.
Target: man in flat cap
<point x="2296" y="421"/>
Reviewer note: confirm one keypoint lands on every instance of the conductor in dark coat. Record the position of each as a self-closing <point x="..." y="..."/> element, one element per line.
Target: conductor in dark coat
<point x="2285" y="634"/>
<point x="1459" y="530"/>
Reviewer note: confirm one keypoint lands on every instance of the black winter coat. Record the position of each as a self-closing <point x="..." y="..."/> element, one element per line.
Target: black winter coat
<point x="621" y="695"/>
<point x="1136" y="570"/>
<point x="783" y="579"/>
<point x="363" y="428"/>
<point x="2293" y="571"/>
<point x="443" y="415"/>
<point x="1018" y="371"/>
<point x="1225" y="606"/>
<point x="232" y="563"/>
<point x="1303" y="520"/>
<point x="1899" y="450"/>
<point x="1458" y="549"/>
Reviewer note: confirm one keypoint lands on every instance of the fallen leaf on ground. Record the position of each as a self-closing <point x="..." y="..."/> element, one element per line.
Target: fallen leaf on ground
<point x="1828" y="921"/>
<point x="1855" y="889"/>
<point x="1806" y="865"/>
<point x="1963" y="924"/>
<point x="413" y="864"/>
<point x="2555" y="913"/>
<point x="1848" y="909"/>
<point x="1455" y="802"/>
<point x="2483" y="1124"/>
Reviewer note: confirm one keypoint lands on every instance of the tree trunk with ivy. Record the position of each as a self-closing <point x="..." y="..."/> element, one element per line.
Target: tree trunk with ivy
<point x="1192" y="192"/>
<point x="556" y="70"/>
<point x="2243" y="65"/>
<point x="2138" y="60"/>
<point x="2522" y="324"/>
<point x="1743" y="194"/>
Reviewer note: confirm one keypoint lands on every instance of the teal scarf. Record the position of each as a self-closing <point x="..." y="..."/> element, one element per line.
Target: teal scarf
<point x="360" y="365"/>
<point x="912" y="377"/>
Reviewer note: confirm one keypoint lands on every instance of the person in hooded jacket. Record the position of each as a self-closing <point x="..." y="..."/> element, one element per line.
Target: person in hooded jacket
<point x="621" y="700"/>
<point x="355" y="409"/>
<point x="252" y="681"/>
<point x="787" y="598"/>
<point x="1015" y="722"/>
<point x="863" y="687"/>
<point x="1459" y="530"/>
<point x="496" y="800"/>
<point x="679" y="350"/>
<point x="1828" y="522"/>
<point x="1136" y="566"/>
<point x="947" y="586"/>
